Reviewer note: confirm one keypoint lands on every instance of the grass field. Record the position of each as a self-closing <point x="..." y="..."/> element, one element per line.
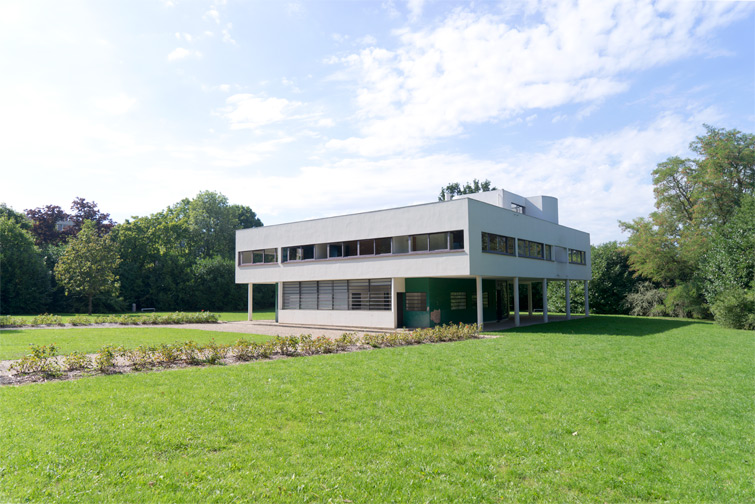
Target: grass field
<point x="14" y="343"/>
<point x="224" y="316"/>
<point x="605" y="409"/>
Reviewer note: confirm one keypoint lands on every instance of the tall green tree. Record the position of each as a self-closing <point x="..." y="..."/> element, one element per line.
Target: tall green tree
<point x="693" y="197"/>
<point x="456" y="189"/>
<point x="87" y="268"/>
<point x="612" y="279"/>
<point x="24" y="281"/>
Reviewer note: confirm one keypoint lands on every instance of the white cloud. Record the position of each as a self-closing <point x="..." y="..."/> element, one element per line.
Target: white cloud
<point x="227" y="38"/>
<point x="213" y="15"/>
<point x="116" y="105"/>
<point x="476" y="68"/>
<point x="247" y="111"/>
<point x="415" y="8"/>
<point x="180" y="53"/>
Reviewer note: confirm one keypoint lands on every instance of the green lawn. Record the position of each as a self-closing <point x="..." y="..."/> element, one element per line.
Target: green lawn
<point x="14" y="343"/>
<point x="268" y="314"/>
<point x="605" y="409"/>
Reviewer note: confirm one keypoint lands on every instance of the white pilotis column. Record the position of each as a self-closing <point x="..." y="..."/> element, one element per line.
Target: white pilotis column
<point x="587" y="301"/>
<point x="479" y="300"/>
<point x="516" y="301"/>
<point x="568" y="301"/>
<point x="251" y="298"/>
<point x="545" y="300"/>
<point x="529" y="299"/>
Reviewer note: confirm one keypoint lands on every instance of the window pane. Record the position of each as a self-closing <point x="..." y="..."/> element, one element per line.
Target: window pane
<point x="458" y="300"/>
<point x="335" y="250"/>
<point x="271" y="255"/>
<point x="416" y="301"/>
<point x="457" y="240"/>
<point x="340" y="295"/>
<point x="400" y="244"/>
<point x="359" y="292"/>
<point x="500" y="244"/>
<point x="308" y="295"/>
<point x="419" y="243"/>
<point x="349" y="249"/>
<point x="438" y="241"/>
<point x="258" y="256"/>
<point x="325" y="295"/>
<point x="485" y="242"/>
<point x="522" y="247"/>
<point x="290" y="295"/>
<point x="366" y="247"/>
<point x="380" y="294"/>
<point x="246" y="257"/>
<point x="308" y="252"/>
<point x="383" y="246"/>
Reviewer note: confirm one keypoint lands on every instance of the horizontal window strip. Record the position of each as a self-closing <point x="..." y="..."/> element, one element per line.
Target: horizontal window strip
<point x="372" y="295"/>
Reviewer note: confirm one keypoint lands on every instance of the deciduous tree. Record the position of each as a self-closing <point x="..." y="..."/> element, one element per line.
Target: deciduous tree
<point x="87" y="268"/>
<point x="24" y="281"/>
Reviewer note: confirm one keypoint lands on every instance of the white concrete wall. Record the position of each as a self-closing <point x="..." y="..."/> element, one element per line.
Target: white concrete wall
<point x="541" y="207"/>
<point x="428" y="218"/>
<point x="488" y="218"/>
<point x="350" y="318"/>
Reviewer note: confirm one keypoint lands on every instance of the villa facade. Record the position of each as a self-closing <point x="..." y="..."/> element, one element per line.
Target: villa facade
<point x="453" y="261"/>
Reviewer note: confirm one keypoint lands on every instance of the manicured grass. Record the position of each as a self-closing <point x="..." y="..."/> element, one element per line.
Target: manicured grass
<point x="14" y="343"/>
<point x="606" y="409"/>
<point x="268" y="314"/>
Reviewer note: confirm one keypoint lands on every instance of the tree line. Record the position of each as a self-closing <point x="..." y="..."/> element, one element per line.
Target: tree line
<point x="181" y="258"/>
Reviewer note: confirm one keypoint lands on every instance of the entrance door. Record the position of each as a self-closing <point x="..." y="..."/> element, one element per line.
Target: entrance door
<point x="498" y="305"/>
<point x="400" y="302"/>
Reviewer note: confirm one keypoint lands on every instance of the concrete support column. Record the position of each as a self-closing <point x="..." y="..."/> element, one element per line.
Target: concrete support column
<point x="587" y="301"/>
<point x="545" y="300"/>
<point x="478" y="280"/>
<point x="516" y="301"/>
<point x="250" y="308"/>
<point x="568" y="301"/>
<point x="529" y="299"/>
<point x="278" y="292"/>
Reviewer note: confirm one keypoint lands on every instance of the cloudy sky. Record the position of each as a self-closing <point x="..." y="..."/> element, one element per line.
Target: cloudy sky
<point x="307" y="109"/>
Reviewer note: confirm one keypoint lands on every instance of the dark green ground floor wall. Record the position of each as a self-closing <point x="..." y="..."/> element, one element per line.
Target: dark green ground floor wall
<point x="439" y="291"/>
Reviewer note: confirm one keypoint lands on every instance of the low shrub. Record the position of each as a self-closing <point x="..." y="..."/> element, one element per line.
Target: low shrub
<point x="42" y="360"/>
<point x="104" y="360"/>
<point x="8" y="321"/>
<point x="76" y="361"/>
<point x="47" y="319"/>
<point x="735" y="309"/>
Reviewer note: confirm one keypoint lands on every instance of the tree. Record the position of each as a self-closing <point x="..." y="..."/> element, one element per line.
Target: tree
<point x="24" y="281"/>
<point x="693" y="198"/>
<point x="87" y="267"/>
<point x="455" y="189"/>
<point x="44" y="225"/>
<point x="84" y="210"/>
<point x="18" y="217"/>
<point x="612" y="279"/>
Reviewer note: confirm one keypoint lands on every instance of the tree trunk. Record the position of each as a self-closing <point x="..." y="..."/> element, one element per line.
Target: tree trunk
<point x="90" y="304"/>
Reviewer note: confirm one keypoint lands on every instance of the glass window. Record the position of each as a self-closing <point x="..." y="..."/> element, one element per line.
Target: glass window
<point x="335" y="250"/>
<point x="485" y="242"/>
<point x="290" y="295"/>
<point x="522" y="248"/>
<point x="366" y="247"/>
<point x="419" y="243"/>
<point x="359" y="294"/>
<point x="307" y="252"/>
<point x="271" y="255"/>
<point x="416" y="301"/>
<point x="458" y="300"/>
<point x="380" y="294"/>
<point x="400" y="244"/>
<point x="308" y="299"/>
<point x="325" y="295"/>
<point x="349" y="249"/>
<point x="457" y="240"/>
<point x="548" y="253"/>
<point x="341" y="295"/>
<point x="258" y="256"/>
<point x="383" y="246"/>
<point x="246" y="257"/>
<point x="438" y="241"/>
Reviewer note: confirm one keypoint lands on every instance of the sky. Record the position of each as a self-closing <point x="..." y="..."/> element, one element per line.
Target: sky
<point x="306" y="109"/>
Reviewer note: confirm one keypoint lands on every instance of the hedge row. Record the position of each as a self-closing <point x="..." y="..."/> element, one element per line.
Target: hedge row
<point x="45" y="361"/>
<point x="82" y="320"/>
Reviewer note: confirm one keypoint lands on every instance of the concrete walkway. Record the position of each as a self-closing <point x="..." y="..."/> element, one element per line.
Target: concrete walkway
<point x="272" y="328"/>
<point x="524" y="320"/>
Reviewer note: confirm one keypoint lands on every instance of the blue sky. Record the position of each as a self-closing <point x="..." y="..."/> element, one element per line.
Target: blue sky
<point x="307" y="109"/>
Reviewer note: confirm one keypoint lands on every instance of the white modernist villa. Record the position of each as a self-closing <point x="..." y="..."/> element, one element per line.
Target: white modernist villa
<point x="453" y="261"/>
